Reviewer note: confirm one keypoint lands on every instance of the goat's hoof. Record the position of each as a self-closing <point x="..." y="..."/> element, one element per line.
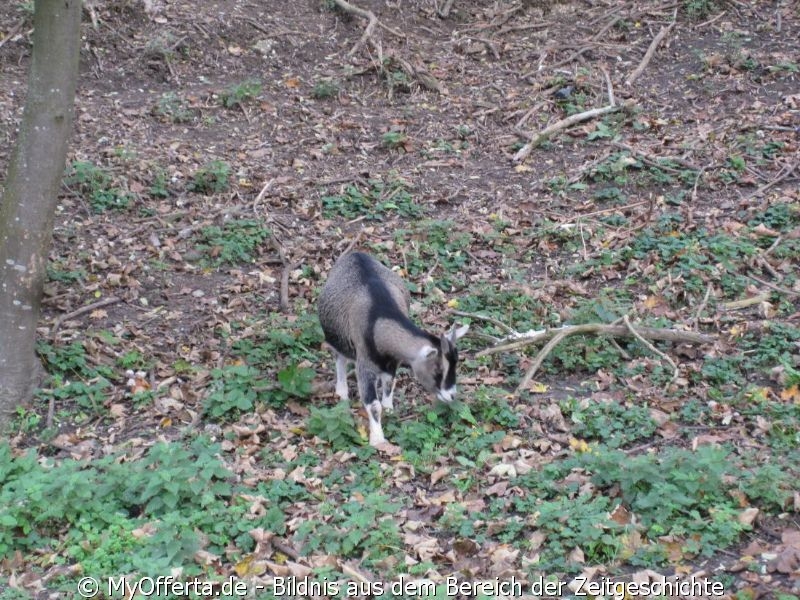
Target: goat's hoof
<point x="387" y="448"/>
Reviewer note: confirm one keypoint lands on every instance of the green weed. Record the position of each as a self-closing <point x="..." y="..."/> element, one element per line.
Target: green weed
<point x="699" y="9"/>
<point x="159" y="186"/>
<point x="237" y="241"/>
<point x="212" y="178"/>
<point x="57" y="271"/>
<point x="325" y="88"/>
<point x="362" y="529"/>
<point x="377" y="200"/>
<point x="335" y="425"/>
<point x="176" y="492"/>
<point x="232" y="392"/>
<point x="240" y="93"/>
<point x="173" y="108"/>
<point x="614" y="425"/>
<point x="97" y="185"/>
<point x="394" y="139"/>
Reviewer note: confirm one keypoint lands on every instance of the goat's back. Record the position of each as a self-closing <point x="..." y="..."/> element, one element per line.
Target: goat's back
<point x="359" y="291"/>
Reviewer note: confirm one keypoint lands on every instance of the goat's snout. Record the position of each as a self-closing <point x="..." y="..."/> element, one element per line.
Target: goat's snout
<point x="446" y="395"/>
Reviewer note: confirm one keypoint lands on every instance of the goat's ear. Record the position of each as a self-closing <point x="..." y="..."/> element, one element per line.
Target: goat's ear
<point x="428" y="352"/>
<point x="456" y="333"/>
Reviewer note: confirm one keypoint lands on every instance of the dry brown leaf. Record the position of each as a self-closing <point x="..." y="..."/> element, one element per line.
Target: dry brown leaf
<point x="576" y="556"/>
<point x="748" y="516"/>
<point x="536" y="539"/>
<point x="439" y="474"/>
<point x="620" y="515"/>
<point x="791" y="394"/>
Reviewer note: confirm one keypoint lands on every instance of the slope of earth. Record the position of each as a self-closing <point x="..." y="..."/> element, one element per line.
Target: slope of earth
<point x="226" y="153"/>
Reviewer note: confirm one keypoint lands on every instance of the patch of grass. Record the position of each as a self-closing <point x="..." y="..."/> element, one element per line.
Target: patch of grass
<point x="439" y="243"/>
<point x="159" y="185"/>
<point x="696" y="255"/>
<point x="232" y="392"/>
<point x="58" y="270"/>
<point x="394" y="140"/>
<point x="98" y="186"/>
<point x="90" y="510"/>
<point x="782" y="216"/>
<point x="212" y="178"/>
<point x="335" y="425"/>
<point x="381" y="198"/>
<point x="237" y="241"/>
<point x="360" y="528"/>
<point x="678" y="492"/>
<point x="699" y="9"/>
<point x="614" y="425"/>
<point x="325" y="88"/>
<point x="173" y="108"/>
<point x="240" y="93"/>
<point x="73" y="378"/>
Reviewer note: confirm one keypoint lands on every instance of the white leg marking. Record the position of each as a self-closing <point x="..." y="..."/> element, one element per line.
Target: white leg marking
<point x="341" y="377"/>
<point x="387" y="391"/>
<point x="376" y="437"/>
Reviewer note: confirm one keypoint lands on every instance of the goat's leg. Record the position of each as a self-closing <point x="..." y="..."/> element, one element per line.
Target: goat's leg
<point x="368" y="391"/>
<point x="387" y="391"/>
<point x="341" y="376"/>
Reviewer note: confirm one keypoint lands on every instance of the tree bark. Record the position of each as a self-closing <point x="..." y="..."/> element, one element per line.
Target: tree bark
<point x="29" y="199"/>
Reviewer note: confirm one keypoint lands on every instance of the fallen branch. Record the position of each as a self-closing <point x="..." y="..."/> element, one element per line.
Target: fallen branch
<point x="785" y="172"/>
<point x="545" y="133"/>
<point x="609" y="87"/>
<point x="444" y="12"/>
<point x="702" y="306"/>
<point x="491" y="320"/>
<point x="651" y="50"/>
<point x="518" y="340"/>
<point x="14" y="30"/>
<point x="744" y="303"/>
<point x="649" y="346"/>
<point x="364" y="14"/>
<point x="372" y="22"/>
<point x="626" y="330"/>
<point x="80" y="311"/>
<point x="537" y="362"/>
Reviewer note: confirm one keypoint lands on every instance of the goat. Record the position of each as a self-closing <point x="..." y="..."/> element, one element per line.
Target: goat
<point x="363" y="310"/>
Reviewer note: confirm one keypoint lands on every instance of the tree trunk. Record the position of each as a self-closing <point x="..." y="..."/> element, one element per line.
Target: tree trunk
<point x="31" y="190"/>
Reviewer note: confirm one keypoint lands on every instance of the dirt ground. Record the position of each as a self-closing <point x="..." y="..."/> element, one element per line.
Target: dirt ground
<point x="440" y="104"/>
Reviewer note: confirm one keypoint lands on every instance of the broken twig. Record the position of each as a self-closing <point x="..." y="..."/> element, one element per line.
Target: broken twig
<point x="520" y="340"/>
<point x="80" y="311"/>
<point x="651" y="50"/>
<point x="545" y="133"/>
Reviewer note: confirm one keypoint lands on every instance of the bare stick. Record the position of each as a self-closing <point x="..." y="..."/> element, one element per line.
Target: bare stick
<point x="610" y="209"/>
<point x="772" y="286"/>
<point x="651" y="50"/>
<point x="352" y="243"/>
<point x="537" y="362"/>
<point x="609" y="87"/>
<point x="744" y="303"/>
<point x="712" y="20"/>
<point x="372" y="23"/>
<point x="491" y="320"/>
<point x="82" y="310"/>
<point x="675" y="371"/>
<point x="783" y="175"/>
<point x="514" y="342"/>
<point x="445" y="10"/>
<point x="364" y="14"/>
<point x="12" y="33"/>
<point x="702" y="306"/>
<point x="545" y="133"/>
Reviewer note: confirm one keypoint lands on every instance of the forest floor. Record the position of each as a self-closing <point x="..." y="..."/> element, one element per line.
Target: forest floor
<point x="226" y="152"/>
